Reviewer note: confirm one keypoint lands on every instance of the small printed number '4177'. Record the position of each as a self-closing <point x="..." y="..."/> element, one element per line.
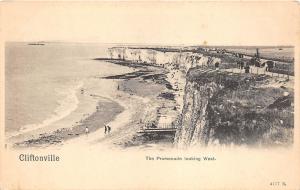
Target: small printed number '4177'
<point x="277" y="183"/>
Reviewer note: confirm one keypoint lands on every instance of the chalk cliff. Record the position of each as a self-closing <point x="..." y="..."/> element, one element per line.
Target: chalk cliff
<point x="221" y="107"/>
<point x="225" y="108"/>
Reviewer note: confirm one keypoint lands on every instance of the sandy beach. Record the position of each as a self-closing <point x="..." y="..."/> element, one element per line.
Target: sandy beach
<point x="140" y="94"/>
<point x="94" y="110"/>
<point x="126" y="102"/>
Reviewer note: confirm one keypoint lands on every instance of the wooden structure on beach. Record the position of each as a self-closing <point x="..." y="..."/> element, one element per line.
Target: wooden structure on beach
<point x="160" y="129"/>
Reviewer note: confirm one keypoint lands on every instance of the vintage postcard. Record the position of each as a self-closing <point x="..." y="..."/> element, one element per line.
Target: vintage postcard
<point x="150" y="95"/>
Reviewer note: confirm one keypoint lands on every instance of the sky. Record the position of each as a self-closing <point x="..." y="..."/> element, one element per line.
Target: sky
<point x="191" y="23"/>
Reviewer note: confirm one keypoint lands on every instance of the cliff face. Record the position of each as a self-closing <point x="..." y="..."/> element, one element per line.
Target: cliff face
<point x="222" y="108"/>
<point x="193" y="125"/>
<point x="183" y="61"/>
<point x="234" y="109"/>
<point x="194" y="128"/>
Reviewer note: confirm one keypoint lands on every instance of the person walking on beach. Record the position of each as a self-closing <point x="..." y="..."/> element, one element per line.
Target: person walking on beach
<point x="86" y="130"/>
<point x="108" y="129"/>
<point x="105" y="129"/>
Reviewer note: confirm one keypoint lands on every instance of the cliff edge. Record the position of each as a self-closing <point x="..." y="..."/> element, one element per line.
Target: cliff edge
<point x="242" y="109"/>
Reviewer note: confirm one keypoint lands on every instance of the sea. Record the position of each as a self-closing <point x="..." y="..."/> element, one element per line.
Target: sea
<point x="43" y="82"/>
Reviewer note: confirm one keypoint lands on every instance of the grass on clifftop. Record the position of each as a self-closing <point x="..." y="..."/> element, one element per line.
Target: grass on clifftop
<point x="248" y="109"/>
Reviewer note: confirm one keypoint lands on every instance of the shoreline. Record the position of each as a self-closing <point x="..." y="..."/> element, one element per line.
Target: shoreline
<point x="122" y="113"/>
<point x="60" y="113"/>
<point x="96" y="92"/>
<point x="108" y="110"/>
<point x="139" y="93"/>
<point x="163" y="107"/>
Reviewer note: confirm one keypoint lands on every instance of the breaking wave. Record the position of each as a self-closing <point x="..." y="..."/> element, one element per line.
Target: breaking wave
<point x="66" y="106"/>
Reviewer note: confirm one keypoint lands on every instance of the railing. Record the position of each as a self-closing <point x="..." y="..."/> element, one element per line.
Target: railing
<point x="258" y="71"/>
<point x="160" y="126"/>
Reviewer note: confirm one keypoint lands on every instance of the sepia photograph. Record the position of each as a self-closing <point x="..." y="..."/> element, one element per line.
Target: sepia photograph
<point x="148" y="97"/>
